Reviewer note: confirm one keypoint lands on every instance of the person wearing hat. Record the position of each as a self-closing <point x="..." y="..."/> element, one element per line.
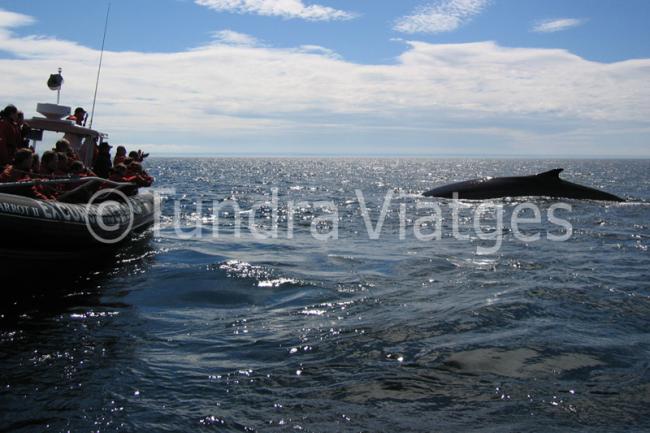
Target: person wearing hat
<point x="79" y="116"/>
<point x="103" y="163"/>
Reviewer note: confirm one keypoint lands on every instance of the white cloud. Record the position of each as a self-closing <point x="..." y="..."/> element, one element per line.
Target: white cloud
<point x="557" y="25"/>
<point x="442" y="16"/>
<point x="231" y="37"/>
<point x="11" y="19"/>
<point x="222" y="95"/>
<point x="280" y="8"/>
<point x="318" y="50"/>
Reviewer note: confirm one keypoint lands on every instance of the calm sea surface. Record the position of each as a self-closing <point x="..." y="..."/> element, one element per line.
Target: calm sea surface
<point x="206" y="326"/>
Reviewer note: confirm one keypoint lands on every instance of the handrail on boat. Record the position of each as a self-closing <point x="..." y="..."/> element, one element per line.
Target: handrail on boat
<point x="79" y="180"/>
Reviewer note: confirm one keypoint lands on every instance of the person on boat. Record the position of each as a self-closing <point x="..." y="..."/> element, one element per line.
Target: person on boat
<point x="50" y="170"/>
<point x="20" y="169"/>
<point x="118" y="174"/>
<point x="75" y="140"/>
<point x="77" y="192"/>
<point x="78" y="169"/>
<point x="62" y="166"/>
<point x="19" y="172"/>
<point x="138" y="156"/>
<point x="24" y="129"/>
<point x="79" y="116"/>
<point x="120" y="155"/>
<point x="103" y="164"/>
<point x="36" y="163"/>
<point x="63" y="146"/>
<point x="49" y="164"/>
<point x="136" y="174"/>
<point x="10" y="138"/>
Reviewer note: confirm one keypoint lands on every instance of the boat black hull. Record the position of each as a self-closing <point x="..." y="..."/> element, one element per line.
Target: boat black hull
<point x="35" y="227"/>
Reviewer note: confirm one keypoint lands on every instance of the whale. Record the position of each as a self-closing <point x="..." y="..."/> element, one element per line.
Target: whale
<point x="547" y="184"/>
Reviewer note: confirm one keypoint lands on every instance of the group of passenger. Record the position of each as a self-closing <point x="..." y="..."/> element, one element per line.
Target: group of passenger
<point x="19" y="163"/>
<point x="13" y="133"/>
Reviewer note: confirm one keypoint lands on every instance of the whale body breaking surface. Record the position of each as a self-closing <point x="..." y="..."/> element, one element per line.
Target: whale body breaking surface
<point x="546" y="184"/>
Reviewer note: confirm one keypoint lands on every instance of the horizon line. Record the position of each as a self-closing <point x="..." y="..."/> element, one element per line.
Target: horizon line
<point x="388" y="155"/>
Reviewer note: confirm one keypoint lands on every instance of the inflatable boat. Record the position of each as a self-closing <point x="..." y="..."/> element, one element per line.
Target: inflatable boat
<point x="47" y="229"/>
<point x="52" y="230"/>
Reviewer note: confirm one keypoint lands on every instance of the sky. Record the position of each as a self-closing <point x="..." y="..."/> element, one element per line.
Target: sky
<point x="343" y="77"/>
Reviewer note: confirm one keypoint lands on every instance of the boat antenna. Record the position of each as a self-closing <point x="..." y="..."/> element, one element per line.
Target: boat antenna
<point x="99" y="70"/>
<point x="58" y="91"/>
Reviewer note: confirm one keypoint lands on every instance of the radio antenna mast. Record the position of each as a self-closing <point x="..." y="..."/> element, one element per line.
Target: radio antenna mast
<point x="99" y="70"/>
<point x="58" y="91"/>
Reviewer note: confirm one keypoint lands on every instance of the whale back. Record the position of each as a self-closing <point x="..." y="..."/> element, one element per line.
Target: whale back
<point x="547" y="184"/>
<point x="551" y="174"/>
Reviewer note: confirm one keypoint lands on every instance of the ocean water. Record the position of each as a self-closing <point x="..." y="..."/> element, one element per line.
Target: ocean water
<point x="214" y="322"/>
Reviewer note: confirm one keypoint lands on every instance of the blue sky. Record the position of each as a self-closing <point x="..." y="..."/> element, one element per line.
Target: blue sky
<point x="479" y="77"/>
<point x="614" y="29"/>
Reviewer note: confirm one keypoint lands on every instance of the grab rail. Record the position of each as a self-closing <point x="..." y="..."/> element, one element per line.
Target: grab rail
<point x="80" y="180"/>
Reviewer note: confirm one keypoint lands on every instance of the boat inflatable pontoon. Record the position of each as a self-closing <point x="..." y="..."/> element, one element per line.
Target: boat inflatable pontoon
<point x="28" y="224"/>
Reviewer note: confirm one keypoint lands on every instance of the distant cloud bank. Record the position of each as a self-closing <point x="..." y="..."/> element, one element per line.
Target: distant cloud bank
<point x="233" y="90"/>
<point x="557" y="25"/>
<point x="442" y="16"/>
<point x="278" y="8"/>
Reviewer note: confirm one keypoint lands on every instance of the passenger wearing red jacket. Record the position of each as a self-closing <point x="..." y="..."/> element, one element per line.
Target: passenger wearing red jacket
<point x="19" y="172"/>
<point x="77" y="169"/>
<point x="63" y="165"/>
<point x="79" y="192"/>
<point x="118" y="174"/>
<point x="120" y="155"/>
<point x="10" y="135"/>
<point x="49" y="164"/>
<point x="136" y="174"/>
<point x="63" y="146"/>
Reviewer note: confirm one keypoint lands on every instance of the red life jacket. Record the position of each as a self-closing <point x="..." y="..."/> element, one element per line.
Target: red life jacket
<point x="40" y="192"/>
<point x="10" y="174"/>
<point x="10" y="139"/>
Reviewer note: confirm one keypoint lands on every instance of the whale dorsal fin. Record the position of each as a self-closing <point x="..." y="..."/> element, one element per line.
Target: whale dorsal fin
<point x="551" y="174"/>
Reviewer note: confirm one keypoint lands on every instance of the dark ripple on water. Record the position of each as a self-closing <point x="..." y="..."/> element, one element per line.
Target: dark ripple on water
<point x="226" y="334"/>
